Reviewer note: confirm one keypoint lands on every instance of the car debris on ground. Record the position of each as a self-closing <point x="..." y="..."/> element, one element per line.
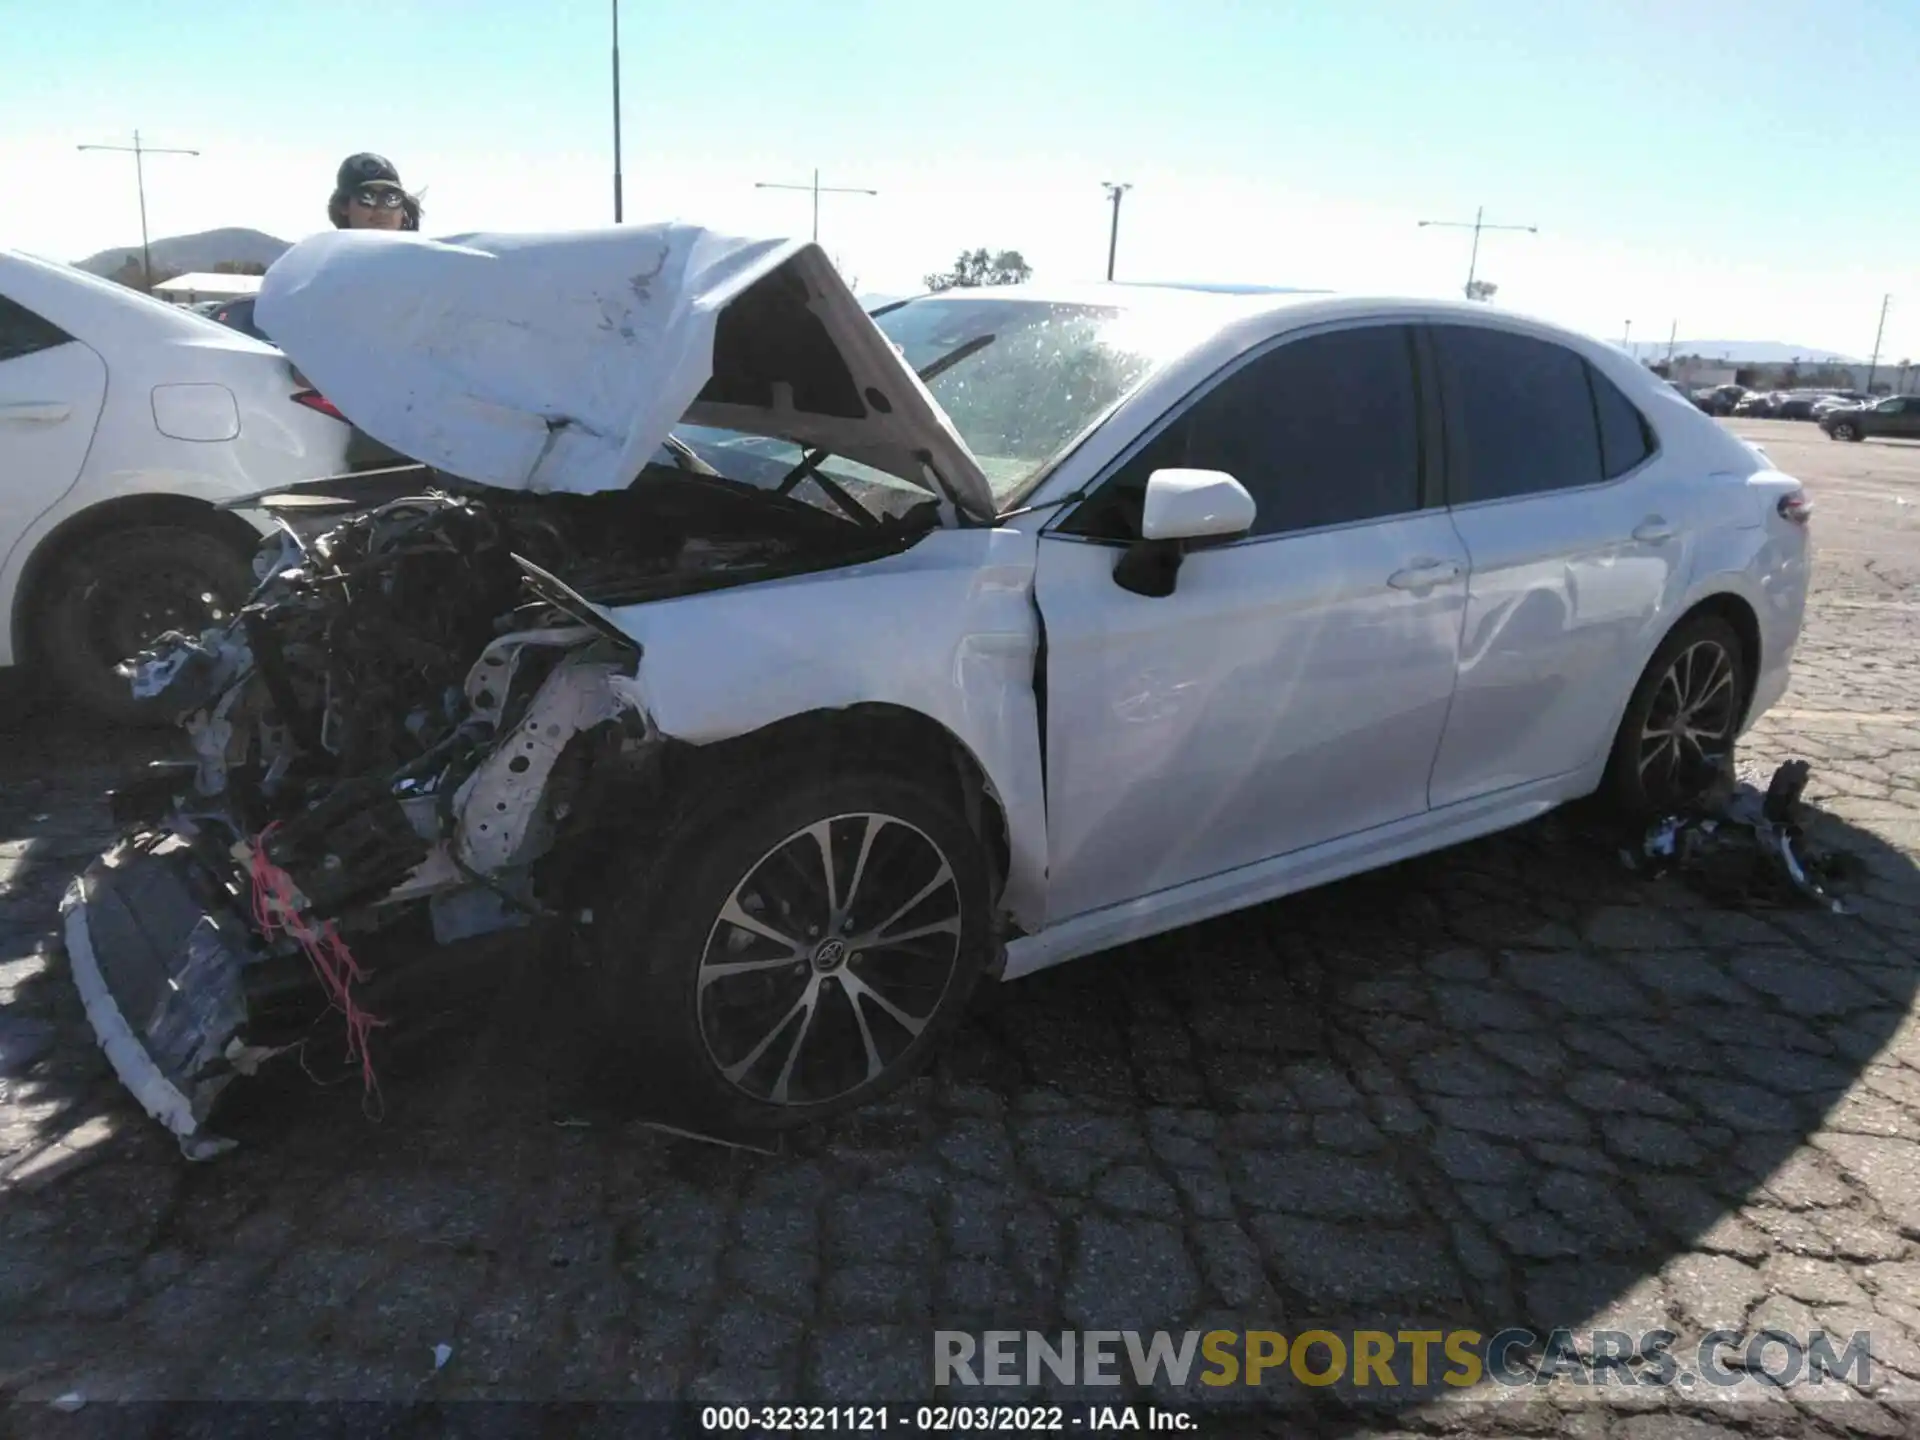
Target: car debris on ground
<point x="1743" y="845"/>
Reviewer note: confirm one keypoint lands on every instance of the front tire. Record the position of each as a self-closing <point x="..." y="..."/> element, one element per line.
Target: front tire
<point x="115" y="593"/>
<point x="1845" y="430"/>
<point x="1681" y="724"/>
<point x="802" y="954"/>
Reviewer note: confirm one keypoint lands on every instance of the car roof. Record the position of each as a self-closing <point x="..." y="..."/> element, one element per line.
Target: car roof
<point x="101" y="311"/>
<point x="1253" y="307"/>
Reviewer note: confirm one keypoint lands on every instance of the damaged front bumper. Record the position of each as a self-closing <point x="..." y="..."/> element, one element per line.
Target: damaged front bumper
<point x="158" y="956"/>
<point x="175" y="941"/>
<point x="223" y="928"/>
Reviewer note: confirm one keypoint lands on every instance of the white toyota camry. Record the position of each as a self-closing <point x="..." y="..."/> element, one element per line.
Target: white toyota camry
<point x="807" y="667"/>
<point x="123" y="421"/>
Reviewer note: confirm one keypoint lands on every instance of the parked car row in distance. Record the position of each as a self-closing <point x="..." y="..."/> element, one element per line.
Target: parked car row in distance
<point x="1776" y="404"/>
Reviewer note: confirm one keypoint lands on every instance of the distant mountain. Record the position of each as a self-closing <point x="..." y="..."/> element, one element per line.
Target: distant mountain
<point x="1747" y="352"/>
<point x="183" y="254"/>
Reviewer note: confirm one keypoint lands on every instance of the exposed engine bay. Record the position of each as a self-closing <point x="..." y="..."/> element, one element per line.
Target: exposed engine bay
<point x="417" y="723"/>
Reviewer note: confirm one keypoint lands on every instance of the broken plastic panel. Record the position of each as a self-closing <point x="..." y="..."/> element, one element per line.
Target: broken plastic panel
<point x="1745" y="843"/>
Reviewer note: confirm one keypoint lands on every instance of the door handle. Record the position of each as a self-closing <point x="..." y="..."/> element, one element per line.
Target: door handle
<point x="29" y="412"/>
<point x="1422" y="573"/>
<point x="1653" y="530"/>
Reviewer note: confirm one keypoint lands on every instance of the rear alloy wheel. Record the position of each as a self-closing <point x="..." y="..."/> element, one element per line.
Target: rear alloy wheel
<point x="807" y="953"/>
<point x="1845" y="430"/>
<point x="1681" y="724"/>
<point x="116" y="593"/>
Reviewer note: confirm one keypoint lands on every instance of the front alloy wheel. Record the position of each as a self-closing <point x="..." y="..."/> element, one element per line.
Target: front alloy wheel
<point x="1845" y="430"/>
<point x="828" y="959"/>
<point x="798" y="947"/>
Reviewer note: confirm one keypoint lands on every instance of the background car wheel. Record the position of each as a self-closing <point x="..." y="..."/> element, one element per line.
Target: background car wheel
<point x="114" y="593"/>
<point x="1845" y="430"/>
<point x="801" y="955"/>
<point x="1682" y="721"/>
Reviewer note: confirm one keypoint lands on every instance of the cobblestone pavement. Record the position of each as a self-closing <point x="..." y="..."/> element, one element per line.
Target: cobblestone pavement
<point x="1507" y="1085"/>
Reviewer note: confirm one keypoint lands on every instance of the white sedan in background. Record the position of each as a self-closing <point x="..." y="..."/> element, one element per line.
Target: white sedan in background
<point x="122" y="421"/>
<point x="989" y="631"/>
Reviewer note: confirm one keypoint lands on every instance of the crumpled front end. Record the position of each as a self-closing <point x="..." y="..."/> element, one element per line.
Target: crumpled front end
<point x="388" y="741"/>
<point x="419" y="730"/>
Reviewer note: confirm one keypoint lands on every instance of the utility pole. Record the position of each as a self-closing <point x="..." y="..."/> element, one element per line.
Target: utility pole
<point x="1114" y="191"/>
<point x="1626" y="340"/>
<point x="1878" y="335"/>
<point x="1479" y="224"/>
<point x="618" y="213"/>
<point x="139" y="153"/>
<point x="817" y="188"/>
<point x="1670" y="339"/>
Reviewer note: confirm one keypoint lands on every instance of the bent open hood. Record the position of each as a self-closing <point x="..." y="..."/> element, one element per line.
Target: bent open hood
<point x="561" y="362"/>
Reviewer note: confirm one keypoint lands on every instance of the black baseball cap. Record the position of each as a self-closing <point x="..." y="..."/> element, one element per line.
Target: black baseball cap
<point x="365" y="169"/>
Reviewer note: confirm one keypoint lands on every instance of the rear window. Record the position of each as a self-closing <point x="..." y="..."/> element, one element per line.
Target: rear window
<point x="1520" y="415"/>
<point x="1625" y="437"/>
<point x="24" y="333"/>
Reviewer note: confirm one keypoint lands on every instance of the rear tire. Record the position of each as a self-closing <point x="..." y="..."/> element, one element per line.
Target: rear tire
<point x="1845" y="430"/>
<point x="768" y="996"/>
<point x="115" y="593"/>
<point x="1682" y="721"/>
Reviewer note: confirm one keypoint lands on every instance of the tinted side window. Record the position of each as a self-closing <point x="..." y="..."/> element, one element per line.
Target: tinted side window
<point x="1520" y="416"/>
<point x="1625" y="437"/>
<point x="22" y="332"/>
<point x="1321" y="431"/>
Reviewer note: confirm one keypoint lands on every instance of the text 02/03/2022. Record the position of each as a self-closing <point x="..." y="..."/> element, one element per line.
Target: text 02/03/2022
<point x="939" y="1419"/>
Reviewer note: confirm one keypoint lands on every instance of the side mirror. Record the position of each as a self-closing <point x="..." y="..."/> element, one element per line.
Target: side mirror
<point x="1195" y="505"/>
<point x="1181" y="506"/>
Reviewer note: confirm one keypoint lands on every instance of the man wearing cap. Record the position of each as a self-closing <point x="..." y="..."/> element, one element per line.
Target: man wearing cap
<point x="367" y="195"/>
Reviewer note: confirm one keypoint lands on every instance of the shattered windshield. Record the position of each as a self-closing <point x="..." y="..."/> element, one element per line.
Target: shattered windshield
<point x="1020" y="379"/>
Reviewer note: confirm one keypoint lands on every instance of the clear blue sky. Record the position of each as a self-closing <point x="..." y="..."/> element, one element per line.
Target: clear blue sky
<point x="1746" y="169"/>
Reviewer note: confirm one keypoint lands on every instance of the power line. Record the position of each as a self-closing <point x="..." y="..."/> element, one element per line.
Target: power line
<point x="1114" y="189"/>
<point x="139" y="153"/>
<point x="818" y="189"/>
<point x="1478" y="224"/>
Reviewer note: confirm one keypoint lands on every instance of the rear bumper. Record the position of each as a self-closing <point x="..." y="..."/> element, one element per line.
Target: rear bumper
<point x="158" y="961"/>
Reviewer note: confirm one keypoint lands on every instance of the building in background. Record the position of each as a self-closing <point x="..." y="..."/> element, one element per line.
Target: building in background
<point x="200" y="285"/>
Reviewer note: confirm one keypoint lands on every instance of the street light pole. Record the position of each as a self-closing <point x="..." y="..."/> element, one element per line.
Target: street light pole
<point x="1878" y="335"/>
<point x="1114" y="191"/>
<point x="139" y="153"/>
<point x="618" y="214"/>
<point x="817" y="188"/>
<point x="1479" y="224"/>
<point x="1626" y="340"/>
<point x="1671" y="335"/>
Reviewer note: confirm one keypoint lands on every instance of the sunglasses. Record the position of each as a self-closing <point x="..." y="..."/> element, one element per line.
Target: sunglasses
<point x="379" y="199"/>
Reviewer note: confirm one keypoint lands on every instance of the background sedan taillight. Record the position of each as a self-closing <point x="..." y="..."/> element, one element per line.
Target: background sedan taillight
<point x="1796" y="507"/>
<point x="314" y="400"/>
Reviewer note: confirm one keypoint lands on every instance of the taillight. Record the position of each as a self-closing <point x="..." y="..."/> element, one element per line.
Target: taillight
<point x="314" y="400"/>
<point x="1795" y="507"/>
